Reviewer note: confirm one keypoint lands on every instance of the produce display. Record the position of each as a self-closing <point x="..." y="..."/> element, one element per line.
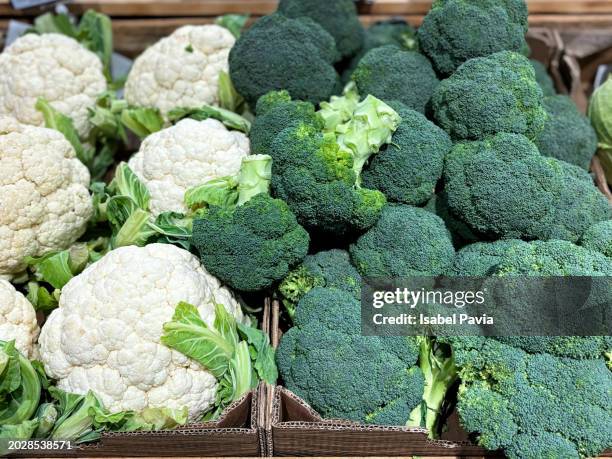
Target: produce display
<point x="146" y="219"/>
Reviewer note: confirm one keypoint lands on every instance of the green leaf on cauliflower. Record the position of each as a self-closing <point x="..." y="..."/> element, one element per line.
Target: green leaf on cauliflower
<point x="233" y="22"/>
<point x="228" y="118"/>
<point x="142" y="121"/>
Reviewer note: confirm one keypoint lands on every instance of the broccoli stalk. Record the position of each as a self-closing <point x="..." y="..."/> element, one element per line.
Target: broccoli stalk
<point x="438" y="366"/>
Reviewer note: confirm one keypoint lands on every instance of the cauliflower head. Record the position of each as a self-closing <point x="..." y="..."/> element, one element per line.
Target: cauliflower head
<point x="44" y="198"/>
<point x="56" y="68"/>
<point x="105" y="335"/>
<point x="17" y="319"/>
<point x="188" y="154"/>
<point x="180" y="70"/>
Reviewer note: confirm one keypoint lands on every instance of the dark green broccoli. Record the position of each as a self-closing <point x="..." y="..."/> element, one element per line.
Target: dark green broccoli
<point x="599" y="238"/>
<point x="339" y="18"/>
<point x="406" y="241"/>
<point x="460" y="232"/>
<point x="501" y="383"/>
<point x="251" y="240"/>
<point x="407" y="169"/>
<point x="325" y="360"/>
<point x="481" y="258"/>
<point x="455" y="31"/>
<point x="331" y="269"/>
<point x="520" y="194"/>
<point x="391" y="73"/>
<point x="282" y="53"/>
<point x="567" y="134"/>
<point x="543" y="78"/>
<point x="317" y="171"/>
<point x="276" y="112"/>
<point x="486" y="95"/>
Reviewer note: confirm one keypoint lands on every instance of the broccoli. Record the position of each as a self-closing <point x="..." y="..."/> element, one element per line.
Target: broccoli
<point x="338" y="17"/>
<point x="391" y="73"/>
<point x="599" y="238"/>
<point x="567" y="134"/>
<point x="407" y="169"/>
<point x="325" y="360"/>
<point x="246" y="238"/>
<point x="520" y="194"/>
<point x="406" y="241"/>
<point x="460" y="232"/>
<point x="317" y="171"/>
<point x="282" y="53"/>
<point x="276" y="112"/>
<point x="455" y="31"/>
<point x="332" y="269"/>
<point x="543" y="78"/>
<point x="486" y="95"/>
<point x="481" y="258"/>
<point x="501" y="383"/>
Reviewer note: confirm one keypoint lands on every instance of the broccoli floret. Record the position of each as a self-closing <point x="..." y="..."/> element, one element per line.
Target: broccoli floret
<point x="599" y="238"/>
<point x="461" y="233"/>
<point x="282" y="53"/>
<point x="520" y="194"/>
<point x="406" y="241"/>
<point x="501" y="384"/>
<point x="486" y="95"/>
<point x="543" y="78"/>
<point x="481" y="258"/>
<point x="253" y="242"/>
<point x="276" y="112"/>
<point x="391" y="73"/>
<point x="407" y="169"/>
<point x="317" y="172"/>
<point x="455" y="31"/>
<point x="325" y="360"/>
<point x="339" y="18"/>
<point x="332" y="269"/>
<point x="567" y="134"/>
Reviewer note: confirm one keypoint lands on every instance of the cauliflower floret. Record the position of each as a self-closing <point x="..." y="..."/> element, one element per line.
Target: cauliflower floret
<point x="105" y="335"/>
<point x="54" y="67"/>
<point x="44" y="198"/>
<point x="181" y="70"/>
<point x="188" y="154"/>
<point x="17" y="320"/>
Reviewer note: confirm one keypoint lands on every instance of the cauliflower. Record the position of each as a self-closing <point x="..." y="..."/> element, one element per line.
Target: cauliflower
<point x="56" y="68"/>
<point x="186" y="155"/>
<point x="17" y="319"/>
<point x="105" y="335"/>
<point x="44" y="198"/>
<point x="181" y="70"/>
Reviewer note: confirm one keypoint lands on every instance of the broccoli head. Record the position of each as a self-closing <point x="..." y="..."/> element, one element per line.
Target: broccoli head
<point x="331" y="268"/>
<point x="407" y="169"/>
<point x="406" y="241"/>
<point x="460" y="232"/>
<point x="392" y="73"/>
<point x="486" y="95"/>
<point x="339" y="18"/>
<point x="599" y="238"/>
<point x="481" y="258"/>
<point x="455" y="31"/>
<point x="251" y="240"/>
<point x="283" y="53"/>
<point x="276" y="112"/>
<point x="568" y="134"/>
<point x="317" y="171"/>
<point x="325" y="360"/>
<point x="543" y="78"/>
<point x="501" y="383"/>
<point x="520" y="194"/>
<point x="391" y="32"/>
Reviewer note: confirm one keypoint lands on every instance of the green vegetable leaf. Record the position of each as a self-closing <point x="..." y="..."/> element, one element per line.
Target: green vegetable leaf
<point x="142" y="121"/>
<point x="54" y="23"/>
<point x="77" y="423"/>
<point x="233" y="22"/>
<point x="53" y="268"/>
<point x="95" y="32"/>
<point x="227" y="117"/>
<point x="220" y="192"/>
<point x="22" y="431"/>
<point x="46" y="415"/>
<point x="262" y="353"/>
<point x="229" y="98"/>
<point x="127" y="184"/>
<point x="151" y="419"/>
<point x="188" y="334"/>
<point x="41" y="298"/>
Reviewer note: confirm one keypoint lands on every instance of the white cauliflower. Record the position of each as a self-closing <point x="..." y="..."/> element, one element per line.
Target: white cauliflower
<point x="180" y="70"/>
<point x="17" y="319"/>
<point x="188" y="154"/>
<point x="54" y="67"/>
<point x="44" y="198"/>
<point x="105" y="335"/>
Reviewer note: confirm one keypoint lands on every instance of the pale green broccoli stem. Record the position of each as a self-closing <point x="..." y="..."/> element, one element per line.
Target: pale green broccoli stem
<point x="438" y="366"/>
<point x="254" y="177"/>
<point x="340" y="108"/>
